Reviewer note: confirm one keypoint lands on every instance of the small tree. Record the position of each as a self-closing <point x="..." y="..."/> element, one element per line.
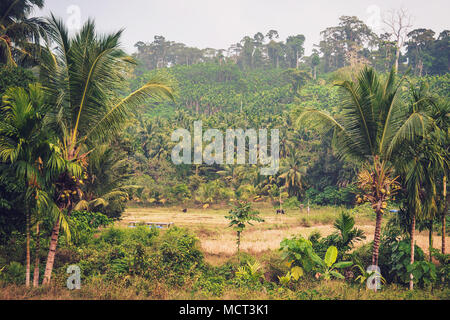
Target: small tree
<point x="241" y="215"/>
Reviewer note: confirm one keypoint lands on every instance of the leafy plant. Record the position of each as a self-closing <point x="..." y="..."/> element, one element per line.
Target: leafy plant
<point x="424" y="272"/>
<point x="250" y="272"/>
<point x="330" y="266"/>
<point x="443" y="270"/>
<point x="298" y="251"/>
<point x="241" y="215"/>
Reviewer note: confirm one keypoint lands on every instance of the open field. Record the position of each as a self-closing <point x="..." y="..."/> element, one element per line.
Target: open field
<point x="218" y="241"/>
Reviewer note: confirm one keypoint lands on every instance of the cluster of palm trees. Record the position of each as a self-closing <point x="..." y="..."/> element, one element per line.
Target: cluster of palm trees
<point x="52" y="133"/>
<point x="399" y="134"/>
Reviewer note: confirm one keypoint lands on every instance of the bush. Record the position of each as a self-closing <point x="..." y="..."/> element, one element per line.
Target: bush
<point x="399" y="260"/>
<point x="178" y="256"/>
<point x="443" y="269"/>
<point x="14" y="273"/>
<point x="84" y="224"/>
<point x="210" y="285"/>
<point x="332" y="196"/>
<point x="292" y="203"/>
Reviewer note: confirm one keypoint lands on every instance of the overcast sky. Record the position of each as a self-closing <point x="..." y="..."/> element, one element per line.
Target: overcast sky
<point x="218" y="24"/>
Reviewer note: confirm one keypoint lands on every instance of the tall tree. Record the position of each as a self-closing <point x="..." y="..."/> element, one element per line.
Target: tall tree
<point x="295" y="49"/>
<point x="82" y="78"/>
<point x="373" y="123"/>
<point x="398" y="23"/>
<point x="25" y="146"/>
<point x="419" y="44"/>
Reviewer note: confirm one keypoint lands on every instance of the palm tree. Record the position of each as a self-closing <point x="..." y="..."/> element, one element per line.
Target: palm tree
<point x="19" y="34"/>
<point x="25" y="146"/>
<point x="440" y="113"/>
<point x="105" y="179"/>
<point x="421" y="165"/>
<point x="82" y="76"/>
<point x="292" y="172"/>
<point x="373" y="123"/>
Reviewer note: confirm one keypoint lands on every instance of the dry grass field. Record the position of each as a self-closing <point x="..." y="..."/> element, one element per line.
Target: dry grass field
<point x="218" y="240"/>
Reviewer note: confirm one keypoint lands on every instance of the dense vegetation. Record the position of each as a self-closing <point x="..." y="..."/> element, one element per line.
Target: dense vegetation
<point x="85" y="130"/>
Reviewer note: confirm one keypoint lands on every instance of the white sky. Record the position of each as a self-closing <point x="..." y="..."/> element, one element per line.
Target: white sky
<point x="218" y="24"/>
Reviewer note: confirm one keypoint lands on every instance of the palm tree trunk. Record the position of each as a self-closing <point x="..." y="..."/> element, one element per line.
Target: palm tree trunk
<point x="51" y="254"/>
<point x="28" y="267"/>
<point x="376" y="239"/>
<point x="238" y="241"/>
<point x="413" y="229"/>
<point x="36" y="259"/>
<point x="430" y="239"/>
<point x="444" y="213"/>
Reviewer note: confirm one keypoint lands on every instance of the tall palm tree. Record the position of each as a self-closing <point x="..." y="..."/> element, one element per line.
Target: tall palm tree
<point x="24" y="145"/>
<point x="440" y="113"/>
<point x="421" y="164"/>
<point x="372" y="125"/>
<point x="20" y="34"/>
<point x="83" y="75"/>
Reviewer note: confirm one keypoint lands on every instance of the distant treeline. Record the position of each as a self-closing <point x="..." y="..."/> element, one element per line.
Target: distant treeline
<point x="351" y="42"/>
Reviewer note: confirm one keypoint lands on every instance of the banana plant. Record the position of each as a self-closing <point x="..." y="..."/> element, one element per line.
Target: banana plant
<point x="330" y="267"/>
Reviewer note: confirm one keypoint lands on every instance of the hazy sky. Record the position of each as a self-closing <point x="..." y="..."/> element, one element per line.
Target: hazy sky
<point x="218" y="24"/>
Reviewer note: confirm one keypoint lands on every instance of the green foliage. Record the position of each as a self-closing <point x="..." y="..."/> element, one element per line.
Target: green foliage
<point x="443" y="269"/>
<point x="250" y="274"/>
<point x="424" y="272"/>
<point x="332" y="195"/>
<point x="13" y="273"/>
<point x="329" y="267"/>
<point x="291" y="203"/>
<point x="15" y="77"/>
<point x="181" y="192"/>
<point x="210" y="285"/>
<point x="298" y="251"/>
<point x="179" y="254"/>
<point x="343" y="238"/>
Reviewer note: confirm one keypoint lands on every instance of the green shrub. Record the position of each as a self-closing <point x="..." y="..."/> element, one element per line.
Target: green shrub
<point x="443" y="269"/>
<point x="212" y="285"/>
<point x="178" y="256"/>
<point x="14" y="273"/>
<point x="332" y="196"/>
<point x="424" y="272"/>
<point x="84" y="224"/>
<point x="299" y="251"/>
<point x="292" y="203"/>
<point x="113" y="236"/>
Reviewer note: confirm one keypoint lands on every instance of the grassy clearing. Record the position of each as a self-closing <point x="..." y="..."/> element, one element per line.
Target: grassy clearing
<point x="218" y="241"/>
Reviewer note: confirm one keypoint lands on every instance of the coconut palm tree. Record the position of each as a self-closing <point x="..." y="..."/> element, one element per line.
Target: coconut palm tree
<point x="83" y="76"/>
<point x="373" y="123"/>
<point x="20" y="34"/>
